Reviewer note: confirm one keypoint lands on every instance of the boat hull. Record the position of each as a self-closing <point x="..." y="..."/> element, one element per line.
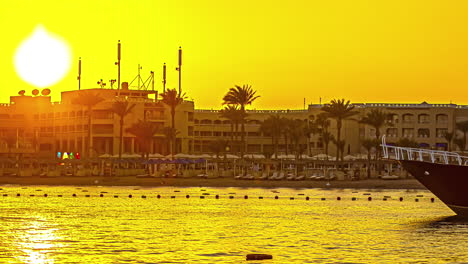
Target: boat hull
<point x="448" y="182"/>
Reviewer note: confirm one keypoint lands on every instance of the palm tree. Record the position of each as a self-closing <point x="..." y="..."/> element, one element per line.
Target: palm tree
<point x="168" y="133"/>
<point x="144" y="132"/>
<point x="449" y="137"/>
<point x="460" y="143"/>
<point x="376" y="118"/>
<point x="296" y="132"/>
<point x="122" y="109"/>
<point x="272" y="126"/>
<point x="231" y="112"/>
<point x="323" y="123"/>
<point x="241" y="96"/>
<point x="369" y="144"/>
<point x="172" y="99"/>
<point x="339" y="110"/>
<point x="327" y="137"/>
<point x="218" y="146"/>
<point x="463" y="127"/>
<point x="89" y="100"/>
<point x="286" y="130"/>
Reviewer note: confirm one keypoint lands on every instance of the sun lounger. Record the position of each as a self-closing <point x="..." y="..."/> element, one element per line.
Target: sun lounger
<point x="390" y="177"/>
<point x="290" y="177"/>
<point x="249" y="177"/>
<point x="280" y="177"/>
<point x="300" y="178"/>
<point x="274" y="176"/>
<point x="264" y="176"/>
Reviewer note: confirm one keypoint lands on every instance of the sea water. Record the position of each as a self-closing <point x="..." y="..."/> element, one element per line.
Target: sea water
<point x="300" y="226"/>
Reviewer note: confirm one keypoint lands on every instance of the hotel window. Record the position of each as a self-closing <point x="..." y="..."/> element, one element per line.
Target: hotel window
<point x="50" y="115"/>
<point x="190" y="130"/>
<point x="424" y="133"/>
<point x="79" y="127"/>
<point x="408" y="132"/>
<point x="441" y="119"/>
<point x="197" y="121"/>
<point x="190" y="116"/>
<point x="392" y="132"/>
<point x="64" y="129"/>
<point x="440" y="132"/>
<point x="197" y="133"/>
<point x="43" y="116"/>
<point x="43" y="129"/>
<point x="36" y="116"/>
<point x="217" y="134"/>
<point x="57" y="115"/>
<point x="392" y="119"/>
<point x="71" y="128"/>
<point x="407" y="118"/>
<point x="57" y="129"/>
<point x="50" y="129"/>
<point x="79" y="113"/>
<point x="72" y="114"/>
<point x="423" y="119"/>
<point x="205" y="133"/>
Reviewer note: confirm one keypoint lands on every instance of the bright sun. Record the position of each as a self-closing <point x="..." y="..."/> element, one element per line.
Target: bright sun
<point x="43" y="59"/>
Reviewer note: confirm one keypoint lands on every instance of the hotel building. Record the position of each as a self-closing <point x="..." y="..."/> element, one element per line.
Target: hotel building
<point x="34" y="125"/>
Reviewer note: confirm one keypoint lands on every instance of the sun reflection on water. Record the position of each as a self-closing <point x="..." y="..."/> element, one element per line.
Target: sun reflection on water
<point x="36" y="240"/>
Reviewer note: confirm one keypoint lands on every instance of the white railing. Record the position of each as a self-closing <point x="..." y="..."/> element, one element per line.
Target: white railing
<point x="434" y="156"/>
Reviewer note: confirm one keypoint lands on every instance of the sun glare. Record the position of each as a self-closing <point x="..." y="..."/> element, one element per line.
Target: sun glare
<point x="42" y="59"/>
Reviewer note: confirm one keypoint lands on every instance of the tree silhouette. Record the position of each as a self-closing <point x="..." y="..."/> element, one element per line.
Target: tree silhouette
<point x="122" y="109"/>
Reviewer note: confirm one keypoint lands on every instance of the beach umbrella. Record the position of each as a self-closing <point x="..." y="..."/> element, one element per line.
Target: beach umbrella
<point x="322" y="157"/>
<point x="284" y="156"/>
<point x="106" y="156"/>
<point x="156" y="155"/>
<point x="205" y="156"/>
<point x="349" y="157"/>
<point x="181" y="156"/>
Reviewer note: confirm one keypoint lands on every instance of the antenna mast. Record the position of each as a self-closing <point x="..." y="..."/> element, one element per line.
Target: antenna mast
<point x="79" y="74"/>
<point x="164" y="78"/>
<point x="118" y="68"/>
<point x="180" y="70"/>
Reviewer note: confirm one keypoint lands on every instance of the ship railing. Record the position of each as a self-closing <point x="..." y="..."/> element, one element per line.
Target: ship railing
<point x="407" y="153"/>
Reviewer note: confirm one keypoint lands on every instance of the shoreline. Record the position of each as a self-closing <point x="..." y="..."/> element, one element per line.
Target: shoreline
<point x="215" y="182"/>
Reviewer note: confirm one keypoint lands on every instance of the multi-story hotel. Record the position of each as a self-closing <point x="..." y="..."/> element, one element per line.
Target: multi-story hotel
<point x="36" y="126"/>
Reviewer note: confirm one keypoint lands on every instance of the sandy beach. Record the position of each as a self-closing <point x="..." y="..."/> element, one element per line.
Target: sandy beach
<point x="215" y="182"/>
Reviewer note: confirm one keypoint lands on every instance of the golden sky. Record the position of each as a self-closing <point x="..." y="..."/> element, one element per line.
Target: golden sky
<point x="365" y="51"/>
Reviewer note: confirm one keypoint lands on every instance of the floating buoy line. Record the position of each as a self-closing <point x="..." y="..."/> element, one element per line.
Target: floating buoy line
<point x="301" y="197"/>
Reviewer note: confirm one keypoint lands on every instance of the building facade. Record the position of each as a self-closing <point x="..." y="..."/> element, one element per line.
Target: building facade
<point x="33" y="125"/>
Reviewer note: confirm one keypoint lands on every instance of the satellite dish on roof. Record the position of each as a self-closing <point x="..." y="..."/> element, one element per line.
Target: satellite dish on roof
<point x="45" y="91"/>
<point x="35" y="92"/>
<point x="22" y="92"/>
